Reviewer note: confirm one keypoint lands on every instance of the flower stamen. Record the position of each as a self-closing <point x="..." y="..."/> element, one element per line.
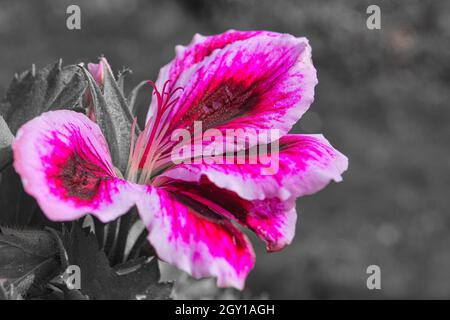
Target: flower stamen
<point x="150" y="144"/>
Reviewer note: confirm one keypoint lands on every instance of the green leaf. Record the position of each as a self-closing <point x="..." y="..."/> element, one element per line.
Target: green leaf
<point x="34" y="92"/>
<point x="131" y="280"/>
<point x="28" y="259"/>
<point x="113" y="116"/>
<point x="5" y="144"/>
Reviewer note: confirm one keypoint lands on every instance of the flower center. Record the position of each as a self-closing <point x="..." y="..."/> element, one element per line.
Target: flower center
<point x="149" y="154"/>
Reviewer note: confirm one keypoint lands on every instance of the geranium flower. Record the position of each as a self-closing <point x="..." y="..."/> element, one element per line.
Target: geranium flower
<point x="252" y="81"/>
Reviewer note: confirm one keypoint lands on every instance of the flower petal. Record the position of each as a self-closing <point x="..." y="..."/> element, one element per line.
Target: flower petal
<point x="273" y="220"/>
<point x="304" y="165"/>
<point x="97" y="70"/>
<point x="200" y="48"/>
<point x="263" y="82"/>
<point x="64" y="162"/>
<point x="188" y="235"/>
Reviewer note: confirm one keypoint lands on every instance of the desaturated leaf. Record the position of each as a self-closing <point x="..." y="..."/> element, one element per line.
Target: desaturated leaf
<point x="28" y="259"/>
<point x="5" y="144"/>
<point x="8" y="292"/>
<point x="138" y="274"/>
<point x="18" y="209"/>
<point x="74" y="295"/>
<point x="83" y="251"/>
<point x="113" y="116"/>
<point x="121" y="116"/>
<point x="121" y="79"/>
<point x="36" y="91"/>
<point x="99" y="281"/>
<point x="3" y="292"/>
<point x="30" y="94"/>
<point x="133" y="95"/>
<point x="157" y="291"/>
<point x="17" y="206"/>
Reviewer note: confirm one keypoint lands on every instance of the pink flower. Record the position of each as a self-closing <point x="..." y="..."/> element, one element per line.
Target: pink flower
<point x="254" y="80"/>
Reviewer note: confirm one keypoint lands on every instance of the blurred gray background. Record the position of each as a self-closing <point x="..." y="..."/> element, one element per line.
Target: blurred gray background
<point x="382" y="99"/>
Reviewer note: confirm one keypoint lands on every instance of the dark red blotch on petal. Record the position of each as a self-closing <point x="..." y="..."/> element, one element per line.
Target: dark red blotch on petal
<point x="80" y="178"/>
<point x="204" y="225"/>
<point x="75" y="171"/>
<point x="227" y="100"/>
<point x="257" y="215"/>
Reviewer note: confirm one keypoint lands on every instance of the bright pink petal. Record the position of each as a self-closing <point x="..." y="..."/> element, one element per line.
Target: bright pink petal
<point x="273" y="220"/>
<point x="194" y="53"/>
<point x="306" y="164"/>
<point x="265" y="81"/>
<point x="200" y="48"/>
<point x="193" y="238"/>
<point x="64" y="162"/>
